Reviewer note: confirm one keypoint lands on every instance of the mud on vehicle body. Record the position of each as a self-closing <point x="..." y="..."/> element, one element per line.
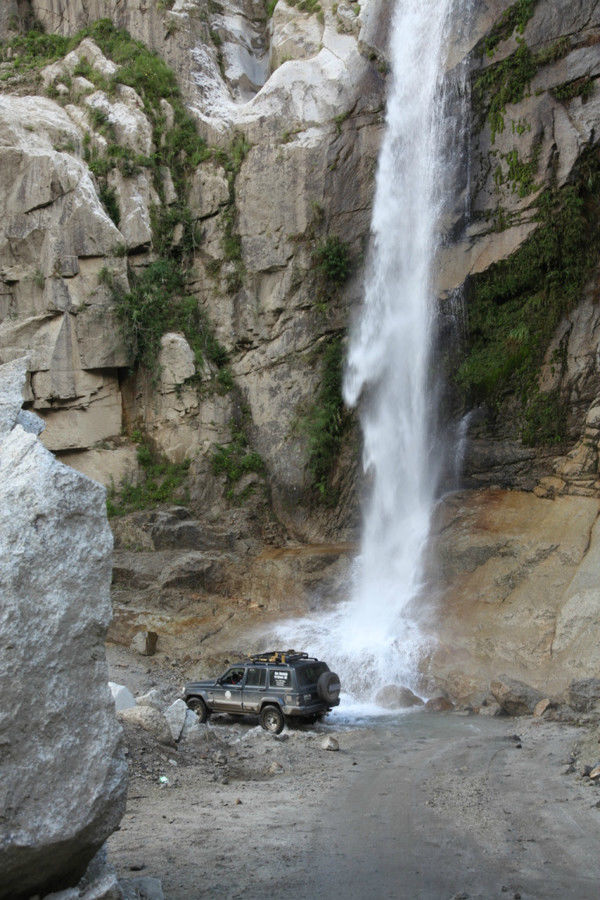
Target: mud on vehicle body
<point x="273" y="686"/>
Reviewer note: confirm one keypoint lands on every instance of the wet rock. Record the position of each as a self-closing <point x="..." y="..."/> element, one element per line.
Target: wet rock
<point x="439" y="704"/>
<point x="583" y="695"/>
<point x="394" y="696"/>
<point x="64" y="776"/>
<point x="515" y="697"/>
<point x="330" y="743"/>
<point x="175" y="715"/>
<point x="144" y="643"/>
<point x="122" y="696"/>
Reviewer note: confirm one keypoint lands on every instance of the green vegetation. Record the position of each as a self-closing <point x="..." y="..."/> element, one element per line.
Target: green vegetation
<point x="157" y="303"/>
<point x="325" y="422"/>
<point x="519" y="175"/>
<point x="179" y="148"/>
<point x="516" y="305"/>
<point x="309" y="6"/>
<point x="581" y="87"/>
<point x="34" y="50"/>
<point x="231" y="161"/>
<point x="332" y="260"/>
<point x="235" y="460"/>
<point x="270" y="7"/>
<point x="160" y="481"/>
<point x="515" y="18"/>
<point x="508" y="80"/>
<point x="108" y="198"/>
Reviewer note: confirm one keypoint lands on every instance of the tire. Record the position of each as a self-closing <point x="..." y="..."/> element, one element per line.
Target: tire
<point x="271" y="719"/>
<point x="328" y="687"/>
<point x="197" y="705"/>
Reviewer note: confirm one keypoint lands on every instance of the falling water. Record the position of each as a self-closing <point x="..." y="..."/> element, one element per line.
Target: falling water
<point x="373" y="638"/>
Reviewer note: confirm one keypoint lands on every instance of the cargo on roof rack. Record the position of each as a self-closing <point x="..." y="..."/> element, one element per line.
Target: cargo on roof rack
<point x="279" y="657"/>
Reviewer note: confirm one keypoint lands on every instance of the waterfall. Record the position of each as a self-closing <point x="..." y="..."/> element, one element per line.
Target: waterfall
<point x="374" y="637"/>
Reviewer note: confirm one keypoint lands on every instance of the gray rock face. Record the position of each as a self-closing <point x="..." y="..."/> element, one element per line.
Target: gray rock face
<point x="64" y="776"/>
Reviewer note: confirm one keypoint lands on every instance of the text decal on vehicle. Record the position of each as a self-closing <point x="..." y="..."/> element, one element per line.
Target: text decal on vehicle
<point x="281" y="678"/>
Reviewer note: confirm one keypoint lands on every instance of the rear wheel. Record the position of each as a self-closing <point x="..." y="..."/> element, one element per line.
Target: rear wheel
<point x="198" y="706"/>
<point x="271" y="719"/>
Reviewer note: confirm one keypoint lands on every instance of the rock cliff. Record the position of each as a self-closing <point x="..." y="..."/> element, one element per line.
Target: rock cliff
<point x="188" y="207"/>
<point x="265" y="215"/>
<point x="64" y="774"/>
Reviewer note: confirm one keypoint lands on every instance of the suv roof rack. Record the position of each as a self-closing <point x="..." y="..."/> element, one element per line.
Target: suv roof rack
<point x="279" y="657"/>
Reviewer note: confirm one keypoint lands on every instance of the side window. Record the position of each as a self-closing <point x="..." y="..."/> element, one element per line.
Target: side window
<point x="233" y="676"/>
<point x="256" y="678"/>
<point x="280" y="678"/>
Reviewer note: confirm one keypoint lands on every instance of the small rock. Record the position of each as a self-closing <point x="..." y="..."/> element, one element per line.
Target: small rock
<point x="151" y="698"/>
<point x="150" y="720"/>
<point x="330" y="743"/>
<point x="395" y="696"/>
<point x="175" y="714"/>
<point x="541" y="707"/>
<point x="144" y="643"/>
<point x="595" y="772"/>
<point x="122" y="696"/>
<point x="144" y="888"/>
<point x="275" y="768"/>
<point x="190" y="725"/>
<point x="220" y="759"/>
<point x="492" y="709"/>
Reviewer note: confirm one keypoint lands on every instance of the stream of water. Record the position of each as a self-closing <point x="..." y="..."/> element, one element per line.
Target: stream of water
<point x="374" y="637"/>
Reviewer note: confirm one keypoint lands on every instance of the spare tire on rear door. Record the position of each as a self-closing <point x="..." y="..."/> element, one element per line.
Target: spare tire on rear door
<point x="328" y="687"/>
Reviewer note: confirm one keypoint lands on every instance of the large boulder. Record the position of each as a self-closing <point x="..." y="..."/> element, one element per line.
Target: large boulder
<point x="515" y="697"/>
<point x="64" y="775"/>
<point x="394" y="696"/>
<point x="583" y="695"/>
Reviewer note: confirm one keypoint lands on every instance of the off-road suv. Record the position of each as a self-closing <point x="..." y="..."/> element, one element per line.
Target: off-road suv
<point x="272" y="686"/>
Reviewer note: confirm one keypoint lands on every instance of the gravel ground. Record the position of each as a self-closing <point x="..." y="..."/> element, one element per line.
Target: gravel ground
<point x="411" y="806"/>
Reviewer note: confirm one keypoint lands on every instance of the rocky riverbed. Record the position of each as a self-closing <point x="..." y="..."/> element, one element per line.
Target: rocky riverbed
<point x="411" y="805"/>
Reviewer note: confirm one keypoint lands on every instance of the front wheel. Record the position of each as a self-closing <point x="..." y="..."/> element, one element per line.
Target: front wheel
<point x="197" y="705"/>
<point x="271" y="719"/>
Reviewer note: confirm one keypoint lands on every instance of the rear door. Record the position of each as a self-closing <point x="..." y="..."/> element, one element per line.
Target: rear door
<point x="254" y="688"/>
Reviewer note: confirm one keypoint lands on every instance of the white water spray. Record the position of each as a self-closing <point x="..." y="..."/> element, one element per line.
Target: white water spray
<point x="373" y="638"/>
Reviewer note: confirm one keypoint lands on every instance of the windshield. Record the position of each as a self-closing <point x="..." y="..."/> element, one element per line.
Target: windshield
<point x="309" y="674"/>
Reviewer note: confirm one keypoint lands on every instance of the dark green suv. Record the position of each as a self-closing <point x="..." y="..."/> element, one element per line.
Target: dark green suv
<point x="272" y="686"/>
